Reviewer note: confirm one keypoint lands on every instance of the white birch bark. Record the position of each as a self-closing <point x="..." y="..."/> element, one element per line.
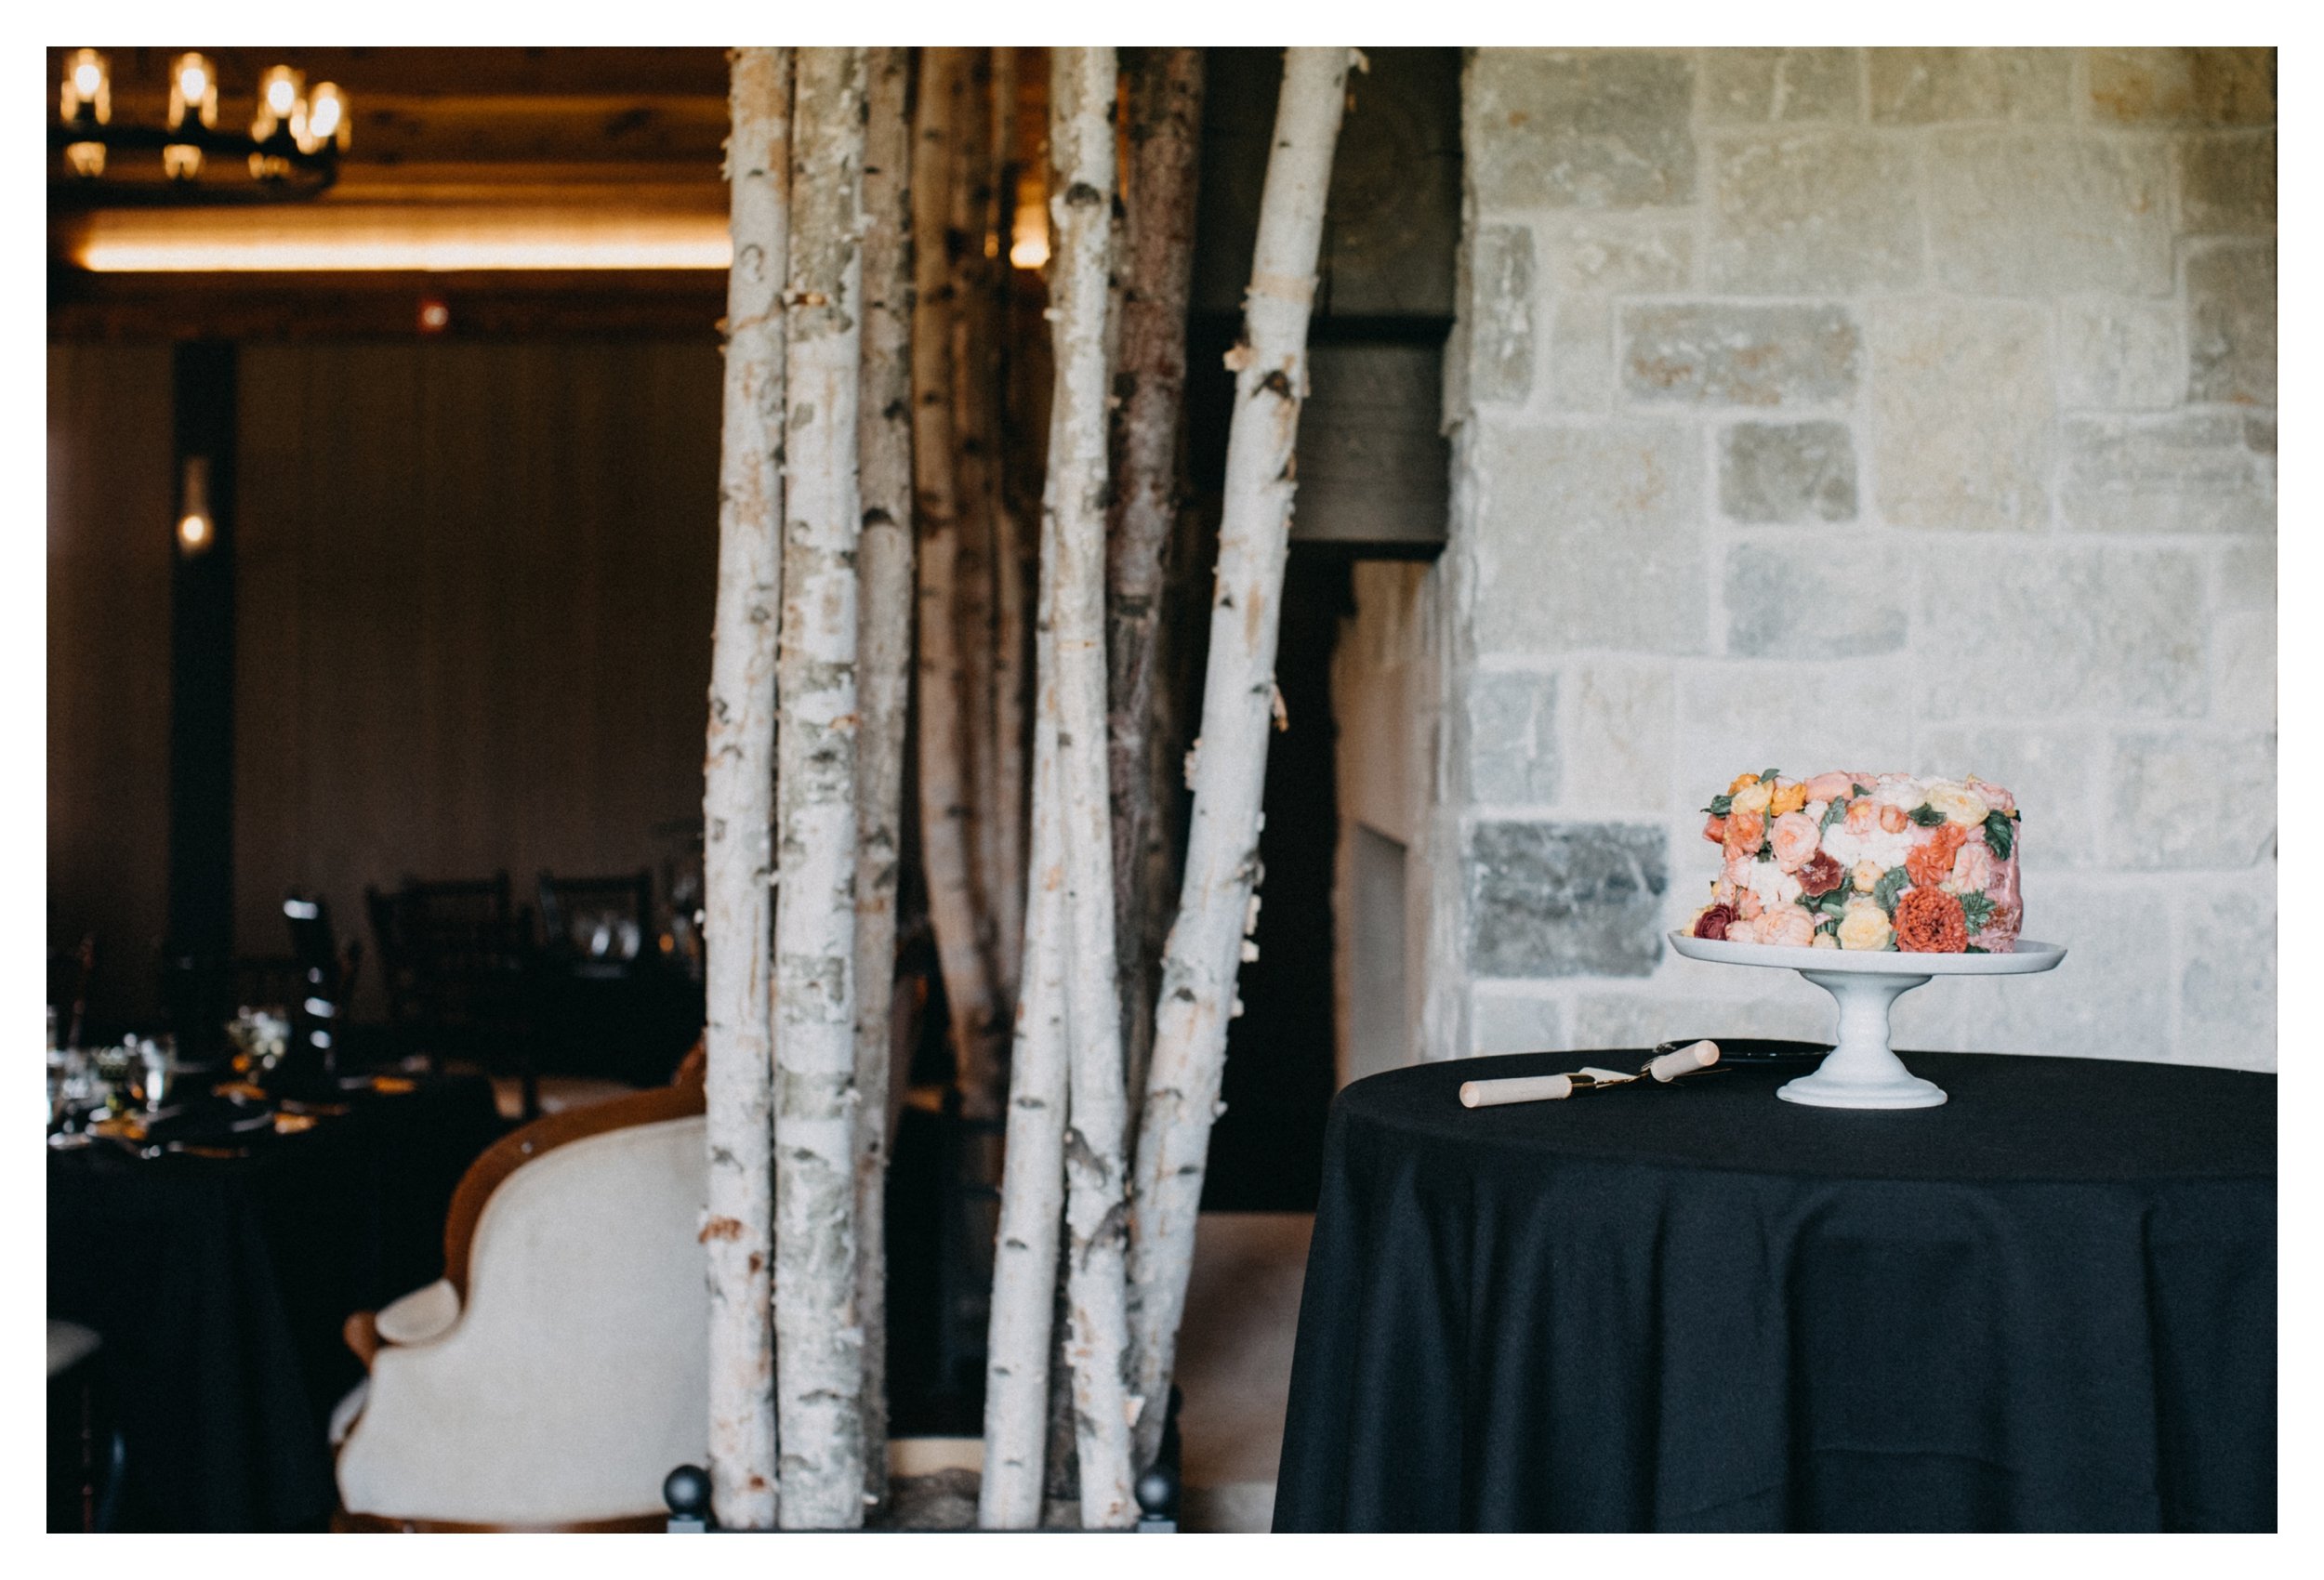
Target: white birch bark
<point x="737" y="806"/>
<point x="1081" y="202"/>
<point x="1217" y="906"/>
<point x="1017" y="1344"/>
<point x="883" y="679"/>
<point x="1157" y="266"/>
<point x="945" y="811"/>
<point x="819" y="1342"/>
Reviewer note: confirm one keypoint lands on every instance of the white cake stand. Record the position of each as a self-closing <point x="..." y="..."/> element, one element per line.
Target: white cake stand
<point x="1862" y="1071"/>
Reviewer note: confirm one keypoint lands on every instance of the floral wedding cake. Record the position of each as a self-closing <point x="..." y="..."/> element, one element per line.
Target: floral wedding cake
<point x="1865" y="861"/>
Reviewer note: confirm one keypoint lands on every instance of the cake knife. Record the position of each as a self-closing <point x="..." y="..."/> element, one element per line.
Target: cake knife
<point x="1689" y="1060"/>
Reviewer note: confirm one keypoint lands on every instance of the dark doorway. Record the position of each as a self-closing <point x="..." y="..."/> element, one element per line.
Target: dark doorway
<point x="1373" y="471"/>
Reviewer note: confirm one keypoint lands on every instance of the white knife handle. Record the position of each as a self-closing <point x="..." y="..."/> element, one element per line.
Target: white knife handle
<point x="1516" y="1088"/>
<point x="1684" y="1062"/>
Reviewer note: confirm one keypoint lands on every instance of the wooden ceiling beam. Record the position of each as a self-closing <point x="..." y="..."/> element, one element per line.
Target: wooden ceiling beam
<point x="291" y="306"/>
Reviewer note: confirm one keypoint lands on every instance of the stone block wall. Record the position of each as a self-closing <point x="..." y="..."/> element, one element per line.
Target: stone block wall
<point x="1836" y="408"/>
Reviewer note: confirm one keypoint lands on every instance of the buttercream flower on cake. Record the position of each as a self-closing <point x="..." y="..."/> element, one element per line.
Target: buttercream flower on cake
<point x="1961" y="807"/>
<point x="1863" y="925"/>
<point x="1795" y="837"/>
<point x="1929" y="921"/>
<point x="1787" y="926"/>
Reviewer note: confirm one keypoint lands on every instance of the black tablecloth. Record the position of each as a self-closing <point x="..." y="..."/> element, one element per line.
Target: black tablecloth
<point x="2048" y="1304"/>
<point x="219" y="1287"/>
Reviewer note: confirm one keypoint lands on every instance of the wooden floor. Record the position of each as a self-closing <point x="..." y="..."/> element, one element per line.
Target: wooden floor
<point x="1234" y="1364"/>
<point x="1234" y="1368"/>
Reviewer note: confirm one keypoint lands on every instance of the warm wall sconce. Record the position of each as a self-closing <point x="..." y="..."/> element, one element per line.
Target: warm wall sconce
<point x="197" y="529"/>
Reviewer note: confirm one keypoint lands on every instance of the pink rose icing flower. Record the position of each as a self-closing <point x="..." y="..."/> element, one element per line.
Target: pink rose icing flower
<point x="1972" y="870"/>
<point x="1829" y="786"/>
<point x="1795" y="836"/>
<point x="1992" y="795"/>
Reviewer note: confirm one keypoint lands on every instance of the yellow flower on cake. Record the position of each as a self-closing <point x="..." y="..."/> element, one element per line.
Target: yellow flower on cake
<point x="1863" y="925"/>
<point x="1865" y="878"/>
<point x="1787" y="798"/>
<point x="1752" y="797"/>
<point x="1959" y="803"/>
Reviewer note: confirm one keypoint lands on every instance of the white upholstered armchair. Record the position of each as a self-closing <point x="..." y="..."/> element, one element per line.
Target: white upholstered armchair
<point x="559" y="1371"/>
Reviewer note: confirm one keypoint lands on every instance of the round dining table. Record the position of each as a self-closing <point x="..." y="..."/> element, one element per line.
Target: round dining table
<point x="2049" y="1304"/>
<point x="219" y="1278"/>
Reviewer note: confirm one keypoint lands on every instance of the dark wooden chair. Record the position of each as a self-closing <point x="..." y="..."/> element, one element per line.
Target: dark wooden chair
<point x="454" y="959"/>
<point x="613" y="998"/>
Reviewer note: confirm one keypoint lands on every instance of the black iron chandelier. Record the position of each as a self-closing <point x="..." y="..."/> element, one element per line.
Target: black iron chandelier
<point x="291" y="149"/>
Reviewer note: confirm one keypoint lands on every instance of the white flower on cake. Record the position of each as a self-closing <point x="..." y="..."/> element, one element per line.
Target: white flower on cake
<point x="1771" y="886"/>
<point x="1878" y="846"/>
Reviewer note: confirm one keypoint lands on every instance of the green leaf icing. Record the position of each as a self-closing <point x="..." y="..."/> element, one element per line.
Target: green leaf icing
<point x="1999" y="835"/>
<point x="1893" y="883"/>
<point x="1926" y="816"/>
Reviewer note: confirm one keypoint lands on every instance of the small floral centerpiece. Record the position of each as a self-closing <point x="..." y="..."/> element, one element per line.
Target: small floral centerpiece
<point x="1866" y="861"/>
<point x="259" y="1039"/>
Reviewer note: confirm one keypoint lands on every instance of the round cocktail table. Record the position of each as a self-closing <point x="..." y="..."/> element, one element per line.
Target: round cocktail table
<point x="2049" y="1304"/>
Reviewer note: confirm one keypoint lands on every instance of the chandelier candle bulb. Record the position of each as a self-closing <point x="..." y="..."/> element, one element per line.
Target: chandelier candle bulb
<point x="193" y="92"/>
<point x="87" y="93"/>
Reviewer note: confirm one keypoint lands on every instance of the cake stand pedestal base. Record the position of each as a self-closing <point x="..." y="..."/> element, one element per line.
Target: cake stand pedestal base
<point x="1862" y="1071"/>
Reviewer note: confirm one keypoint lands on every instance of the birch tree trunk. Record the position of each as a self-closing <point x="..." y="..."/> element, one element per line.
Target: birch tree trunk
<point x="973" y="346"/>
<point x="1081" y="201"/>
<point x="1217" y="906"/>
<point x="819" y="1342"/>
<point x="943" y="788"/>
<point x="883" y="679"/>
<point x="737" y="806"/>
<point x="1017" y="1347"/>
<point x="1165" y="132"/>
<point x="1008" y="806"/>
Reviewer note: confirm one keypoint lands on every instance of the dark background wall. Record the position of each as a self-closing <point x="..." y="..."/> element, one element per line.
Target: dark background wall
<point x="111" y="503"/>
<point x="473" y="584"/>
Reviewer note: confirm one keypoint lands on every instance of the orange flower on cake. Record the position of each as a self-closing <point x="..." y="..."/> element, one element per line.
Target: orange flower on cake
<point x="1746" y="832"/>
<point x="1931" y="861"/>
<point x="1789" y="798"/>
<point x="1929" y="921"/>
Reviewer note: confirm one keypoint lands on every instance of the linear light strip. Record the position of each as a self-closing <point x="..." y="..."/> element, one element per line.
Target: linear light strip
<point x="211" y="255"/>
